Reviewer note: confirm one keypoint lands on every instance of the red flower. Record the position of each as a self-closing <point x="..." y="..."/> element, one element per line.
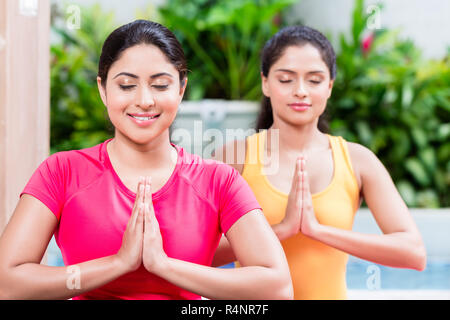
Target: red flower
<point x="367" y="43"/>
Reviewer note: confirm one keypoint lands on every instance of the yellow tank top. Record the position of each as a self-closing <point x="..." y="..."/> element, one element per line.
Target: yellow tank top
<point x="317" y="270"/>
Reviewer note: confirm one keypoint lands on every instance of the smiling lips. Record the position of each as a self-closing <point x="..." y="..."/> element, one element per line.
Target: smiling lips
<point x="143" y="119"/>
<point x="299" y="106"/>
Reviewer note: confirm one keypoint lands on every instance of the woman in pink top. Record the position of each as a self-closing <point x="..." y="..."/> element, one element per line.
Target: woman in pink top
<point x="123" y="236"/>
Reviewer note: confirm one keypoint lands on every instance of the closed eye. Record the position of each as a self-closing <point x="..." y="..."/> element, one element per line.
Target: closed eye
<point x="160" y="87"/>
<point x="285" y="81"/>
<point x="129" y="87"/>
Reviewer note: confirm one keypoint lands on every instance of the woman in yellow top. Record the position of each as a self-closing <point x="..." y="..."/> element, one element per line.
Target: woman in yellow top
<point x="310" y="184"/>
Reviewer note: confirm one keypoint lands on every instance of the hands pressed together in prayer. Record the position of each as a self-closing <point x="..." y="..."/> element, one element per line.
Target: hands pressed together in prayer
<point x="142" y="241"/>
<point x="300" y="215"/>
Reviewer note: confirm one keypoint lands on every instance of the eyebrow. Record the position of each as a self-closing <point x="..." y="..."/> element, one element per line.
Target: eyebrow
<point x="160" y="75"/>
<point x="126" y="74"/>
<point x="293" y="72"/>
<point x="136" y="77"/>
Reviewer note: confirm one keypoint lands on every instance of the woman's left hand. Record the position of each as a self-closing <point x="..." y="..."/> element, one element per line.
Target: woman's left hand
<point x="309" y="223"/>
<point x="153" y="256"/>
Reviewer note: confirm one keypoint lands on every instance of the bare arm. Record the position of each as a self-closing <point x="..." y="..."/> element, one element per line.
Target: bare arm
<point x="22" y="246"/>
<point x="400" y="245"/>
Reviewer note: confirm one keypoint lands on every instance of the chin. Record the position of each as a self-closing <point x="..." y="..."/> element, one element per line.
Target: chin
<point x="145" y="138"/>
<point x="139" y="138"/>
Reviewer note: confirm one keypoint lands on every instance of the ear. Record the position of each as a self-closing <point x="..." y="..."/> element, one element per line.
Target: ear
<point x="101" y="90"/>
<point x="330" y="87"/>
<point x="265" y="85"/>
<point x="183" y="86"/>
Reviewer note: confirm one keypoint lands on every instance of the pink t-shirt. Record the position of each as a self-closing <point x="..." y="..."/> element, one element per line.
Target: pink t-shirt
<point x="200" y="201"/>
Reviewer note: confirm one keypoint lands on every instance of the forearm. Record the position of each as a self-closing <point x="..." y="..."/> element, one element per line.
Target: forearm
<point x="285" y="230"/>
<point x="394" y="250"/>
<point x="252" y="282"/>
<point x="35" y="281"/>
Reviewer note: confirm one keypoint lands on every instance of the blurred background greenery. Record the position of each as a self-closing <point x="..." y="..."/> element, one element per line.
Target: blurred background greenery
<point x="386" y="96"/>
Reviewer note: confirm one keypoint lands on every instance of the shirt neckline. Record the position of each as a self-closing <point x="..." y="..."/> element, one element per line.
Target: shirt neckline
<point x="124" y="188"/>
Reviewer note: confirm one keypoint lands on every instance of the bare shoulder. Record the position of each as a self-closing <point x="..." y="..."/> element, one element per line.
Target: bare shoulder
<point x="232" y="153"/>
<point x="364" y="161"/>
<point x="361" y="155"/>
<point x="359" y="152"/>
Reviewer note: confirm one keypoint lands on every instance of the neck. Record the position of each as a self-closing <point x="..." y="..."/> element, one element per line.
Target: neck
<point x="297" y="139"/>
<point x="155" y="154"/>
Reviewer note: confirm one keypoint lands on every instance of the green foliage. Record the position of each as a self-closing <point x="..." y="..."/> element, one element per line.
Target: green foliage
<point x="222" y="40"/>
<point x="395" y="102"/>
<point x="78" y="116"/>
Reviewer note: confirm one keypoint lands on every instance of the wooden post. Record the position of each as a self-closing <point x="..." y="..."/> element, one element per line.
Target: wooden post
<point x="24" y="96"/>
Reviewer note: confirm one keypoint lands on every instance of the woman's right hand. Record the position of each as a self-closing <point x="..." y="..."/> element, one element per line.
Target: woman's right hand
<point x="130" y="253"/>
<point x="292" y="219"/>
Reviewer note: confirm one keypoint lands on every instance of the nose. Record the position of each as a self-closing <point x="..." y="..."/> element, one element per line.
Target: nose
<point x="300" y="90"/>
<point x="145" y="98"/>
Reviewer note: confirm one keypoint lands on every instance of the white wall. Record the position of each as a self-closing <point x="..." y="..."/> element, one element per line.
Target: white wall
<point x="125" y="11"/>
<point x="427" y="22"/>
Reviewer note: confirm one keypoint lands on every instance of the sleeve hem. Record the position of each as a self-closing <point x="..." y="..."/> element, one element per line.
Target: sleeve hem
<point x="235" y="215"/>
<point x="44" y="199"/>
